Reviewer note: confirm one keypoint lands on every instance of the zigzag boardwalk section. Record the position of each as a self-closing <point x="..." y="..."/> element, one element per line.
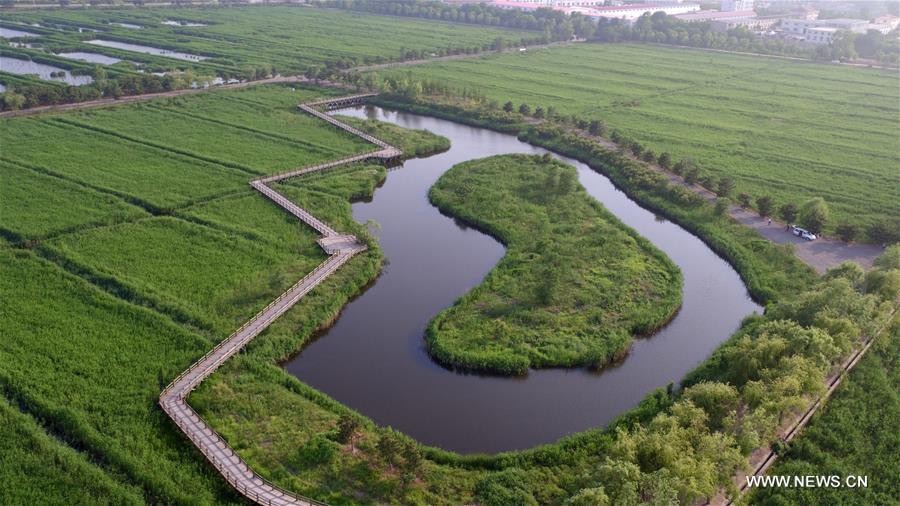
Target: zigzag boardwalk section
<point x="340" y="249"/>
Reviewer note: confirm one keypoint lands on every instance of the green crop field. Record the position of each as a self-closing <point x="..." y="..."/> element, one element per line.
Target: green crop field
<point x="288" y="38"/>
<point x="34" y="205"/>
<point x="791" y="130"/>
<point x="574" y="286"/>
<point x="155" y="153"/>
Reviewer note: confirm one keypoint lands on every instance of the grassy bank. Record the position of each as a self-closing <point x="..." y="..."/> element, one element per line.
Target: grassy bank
<point x="413" y="143"/>
<point x="574" y="286"/>
<point x="770" y="271"/>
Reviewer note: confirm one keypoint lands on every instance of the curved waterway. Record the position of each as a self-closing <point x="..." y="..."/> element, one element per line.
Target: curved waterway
<point x="374" y="359"/>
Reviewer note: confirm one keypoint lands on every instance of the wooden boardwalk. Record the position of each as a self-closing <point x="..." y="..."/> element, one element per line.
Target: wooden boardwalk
<point x="340" y="249"/>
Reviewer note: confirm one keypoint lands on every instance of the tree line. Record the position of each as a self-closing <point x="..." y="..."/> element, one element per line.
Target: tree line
<point x="663" y="29"/>
<point x="555" y="24"/>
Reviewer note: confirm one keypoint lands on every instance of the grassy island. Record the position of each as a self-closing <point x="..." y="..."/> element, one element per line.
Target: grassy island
<point x="575" y="285"/>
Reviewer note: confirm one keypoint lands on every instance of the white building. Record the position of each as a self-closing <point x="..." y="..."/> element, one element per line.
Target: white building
<point x="802" y="26"/>
<point x="821" y="35"/>
<point x="594" y="9"/>
<point x="737" y="5"/>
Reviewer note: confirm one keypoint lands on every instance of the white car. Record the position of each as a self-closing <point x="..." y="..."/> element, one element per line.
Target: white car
<point x="806" y="234"/>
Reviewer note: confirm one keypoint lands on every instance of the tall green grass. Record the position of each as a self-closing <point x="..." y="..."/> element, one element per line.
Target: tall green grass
<point x="790" y="130"/>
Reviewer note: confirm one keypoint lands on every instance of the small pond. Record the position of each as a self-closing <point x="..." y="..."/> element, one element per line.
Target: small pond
<point x="42" y="70"/>
<point x="101" y="59"/>
<point x="168" y="53"/>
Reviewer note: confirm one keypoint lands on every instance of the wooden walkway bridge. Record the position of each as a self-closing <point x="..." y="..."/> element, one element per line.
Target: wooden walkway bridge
<point x="340" y="248"/>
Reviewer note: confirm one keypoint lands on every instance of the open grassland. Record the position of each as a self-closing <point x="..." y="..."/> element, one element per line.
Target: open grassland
<point x="34" y="205"/>
<point x="574" y="286"/>
<point x="155" y="154"/>
<point x="153" y="177"/>
<point x="288" y="38"/>
<point x="785" y="129"/>
<point x="90" y="367"/>
<point x="208" y="277"/>
<point x="856" y="434"/>
<point x="45" y="470"/>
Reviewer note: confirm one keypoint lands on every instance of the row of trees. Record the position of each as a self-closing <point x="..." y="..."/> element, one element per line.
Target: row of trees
<point x="23" y="96"/>
<point x="661" y="28"/>
<point x="555" y="24"/>
<point x="872" y="45"/>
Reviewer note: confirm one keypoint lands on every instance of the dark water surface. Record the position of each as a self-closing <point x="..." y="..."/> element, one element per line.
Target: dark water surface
<point x="374" y="359"/>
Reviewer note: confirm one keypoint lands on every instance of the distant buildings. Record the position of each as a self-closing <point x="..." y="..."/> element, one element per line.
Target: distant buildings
<point x="736" y="5"/>
<point x="595" y="8"/>
<point x="802" y="26"/>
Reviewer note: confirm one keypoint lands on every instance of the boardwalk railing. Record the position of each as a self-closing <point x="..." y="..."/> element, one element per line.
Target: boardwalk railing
<point x="340" y="248"/>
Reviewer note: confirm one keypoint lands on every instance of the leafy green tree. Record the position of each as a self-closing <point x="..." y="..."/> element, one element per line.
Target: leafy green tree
<point x="885" y="284"/>
<point x="389" y="447"/>
<point x="597" y="127"/>
<point x="524" y="110"/>
<point x="595" y="496"/>
<point x="683" y="166"/>
<point x="13" y="101"/>
<point x="539" y="112"/>
<point x="348" y="430"/>
<point x="788" y="212"/>
<point x="665" y="160"/>
<point x="649" y="156"/>
<point x="717" y="400"/>
<point x="764" y="205"/>
<point x="721" y="206"/>
<point x="691" y="175"/>
<point x="814" y="215"/>
<point x="725" y="186"/>
<point x="890" y="259"/>
<point x="847" y="270"/>
<point x="510" y="487"/>
<point x="508" y="107"/>
<point x="744" y="200"/>
<point x="566" y="182"/>
<point x="847" y="231"/>
<point x="885" y="231"/>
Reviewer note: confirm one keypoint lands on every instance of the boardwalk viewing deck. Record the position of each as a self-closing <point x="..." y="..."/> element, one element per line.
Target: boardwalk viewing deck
<point x="340" y="248"/>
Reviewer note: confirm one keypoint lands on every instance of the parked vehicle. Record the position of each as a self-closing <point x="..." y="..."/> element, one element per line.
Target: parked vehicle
<point x="805" y="234"/>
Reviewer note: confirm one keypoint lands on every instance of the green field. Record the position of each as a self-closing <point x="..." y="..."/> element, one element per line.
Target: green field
<point x="155" y="154"/>
<point x="288" y="38"/>
<point x="790" y="130"/>
<point x="574" y="286"/>
<point x="34" y="205"/>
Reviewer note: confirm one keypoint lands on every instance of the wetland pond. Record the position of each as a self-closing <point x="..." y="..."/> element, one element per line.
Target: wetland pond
<point x="374" y="360"/>
<point x="44" y="71"/>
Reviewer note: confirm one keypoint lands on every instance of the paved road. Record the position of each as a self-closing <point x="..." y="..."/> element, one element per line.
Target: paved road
<point x="340" y="249"/>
